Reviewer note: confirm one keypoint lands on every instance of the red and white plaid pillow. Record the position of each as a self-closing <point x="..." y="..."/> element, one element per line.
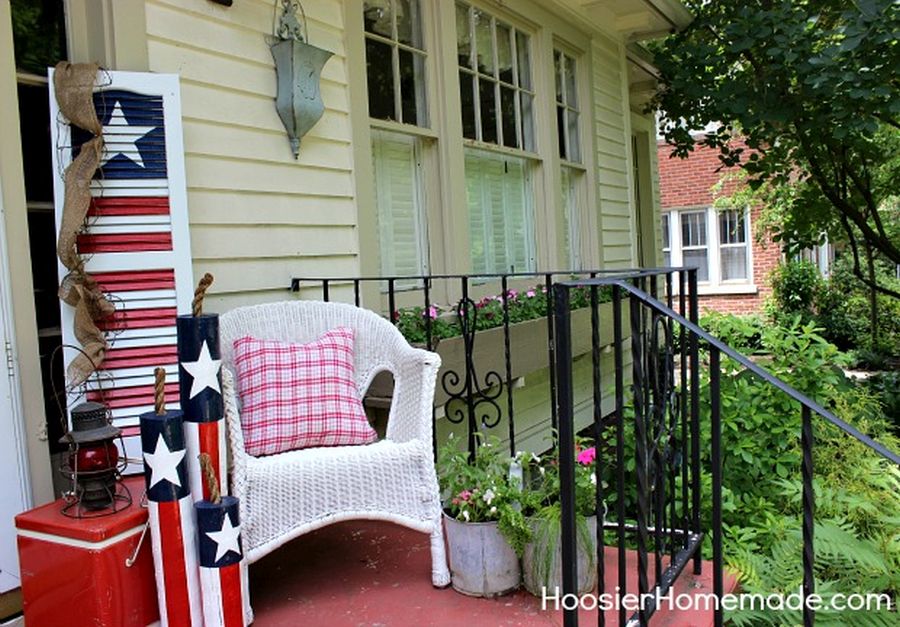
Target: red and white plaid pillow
<point x="299" y="395"/>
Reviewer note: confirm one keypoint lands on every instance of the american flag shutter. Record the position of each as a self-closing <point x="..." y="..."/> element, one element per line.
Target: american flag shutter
<point x="136" y="243"/>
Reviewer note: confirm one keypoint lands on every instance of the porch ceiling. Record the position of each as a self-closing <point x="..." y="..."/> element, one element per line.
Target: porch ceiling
<point x="639" y="19"/>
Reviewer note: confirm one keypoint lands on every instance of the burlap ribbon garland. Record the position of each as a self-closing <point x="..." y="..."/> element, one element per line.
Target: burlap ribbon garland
<point x="74" y="86"/>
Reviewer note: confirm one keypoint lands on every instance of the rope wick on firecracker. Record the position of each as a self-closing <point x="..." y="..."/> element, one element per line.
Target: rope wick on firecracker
<point x="210" y="475"/>
<point x="160" y="391"/>
<point x="199" y="293"/>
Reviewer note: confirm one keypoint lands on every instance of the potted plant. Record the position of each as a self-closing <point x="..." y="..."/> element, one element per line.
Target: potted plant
<point x="486" y="531"/>
<point x="542" y="555"/>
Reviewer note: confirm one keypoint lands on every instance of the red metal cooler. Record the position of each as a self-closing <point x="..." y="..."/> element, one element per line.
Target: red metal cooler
<point x="74" y="572"/>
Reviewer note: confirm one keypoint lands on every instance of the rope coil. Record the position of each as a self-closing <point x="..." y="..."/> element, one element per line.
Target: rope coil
<point x="200" y="294"/>
<point x="160" y="391"/>
<point x="210" y="475"/>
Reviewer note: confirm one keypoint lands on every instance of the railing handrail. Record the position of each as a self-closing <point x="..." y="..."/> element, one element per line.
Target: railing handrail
<point x="295" y="281"/>
<point x="650" y="301"/>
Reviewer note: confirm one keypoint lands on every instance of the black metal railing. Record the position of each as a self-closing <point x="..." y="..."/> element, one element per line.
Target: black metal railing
<point x="476" y="390"/>
<point x="658" y="505"/>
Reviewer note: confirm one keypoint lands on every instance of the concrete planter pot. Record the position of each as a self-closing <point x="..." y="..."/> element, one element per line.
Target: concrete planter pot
<point x="539" y="574"/>
<point x="482" y="564"/>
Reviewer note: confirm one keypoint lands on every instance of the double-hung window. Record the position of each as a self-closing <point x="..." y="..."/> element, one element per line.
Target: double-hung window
<point x="395" y="70"/>
<point x="571" y="171"/>
<point x="716" y="242"/>
<point x="496" y="102"/>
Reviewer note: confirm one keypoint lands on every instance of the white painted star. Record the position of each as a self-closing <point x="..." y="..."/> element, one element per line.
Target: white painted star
<point x="227" y="539"/>
<point x="121" y="137"/>
<point x="204" y="371"/>
<point x="163" y="463"/>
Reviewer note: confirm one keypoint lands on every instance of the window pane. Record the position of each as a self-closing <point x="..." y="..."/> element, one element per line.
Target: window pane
<point x="412" y="88"/>
<point x="731" y="227"/>
<point x="488" y="110"/>
<point x="400" y="206"/>
<point x="504" y="53"/>
<point x="484" y="44"/>
<point x="409" y="29"/>
<point x="667" y="258"/>
<point x="377" y="17"/>
<point x="664" y="228"/>
<point x="693" y="228"/>
<point x="380" y="77"/>
<point x="734" y="262"/>
<point x="467" y="101"/>
<point x="463" y="36"/>
<point x="508" y="116"/>
<point x="527" y="124"/>
<point x="558" y="65"/>
<point x="697" y="259"/>
<point x="524" y="59"/>
<point x="561" y="130"/>
<point x="571" y="94"/>
<point x="574" y="143"/>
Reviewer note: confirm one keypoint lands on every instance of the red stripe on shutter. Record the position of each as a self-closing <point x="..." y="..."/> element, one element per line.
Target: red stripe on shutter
<point x="133" y="396"/>
<point x="141" y="356"/>
<point x="89" y="244"/>
<point x="129" y="206"/>
<point x="134" y="280"/>
<point x="139" y="319"/>
<point x="178" y="606"/>
<point x="232" y="604"/>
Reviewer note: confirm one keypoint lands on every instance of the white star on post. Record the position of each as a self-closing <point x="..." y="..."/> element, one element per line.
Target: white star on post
<point x="163" y="463"/>
<point x="121" y="137"/>
<point x="226" y="539"/>
<point x="204" y="371"/>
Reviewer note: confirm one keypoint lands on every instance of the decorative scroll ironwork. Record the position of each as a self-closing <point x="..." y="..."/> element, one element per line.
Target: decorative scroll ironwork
<point x="468" y="397"/>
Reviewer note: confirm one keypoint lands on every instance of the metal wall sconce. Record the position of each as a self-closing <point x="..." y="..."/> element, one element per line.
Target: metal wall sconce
<point x="298" y="68"/>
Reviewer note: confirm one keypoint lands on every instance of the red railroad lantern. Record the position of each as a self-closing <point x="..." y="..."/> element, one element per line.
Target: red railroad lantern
<point x="93" y="464"/>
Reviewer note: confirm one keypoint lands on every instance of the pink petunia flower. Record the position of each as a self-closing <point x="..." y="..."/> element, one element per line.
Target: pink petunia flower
<point x="464" y="495"/>
<point x="587" y="456"/>
<point x="431" y="313"/>
<point x="530" y="293"/>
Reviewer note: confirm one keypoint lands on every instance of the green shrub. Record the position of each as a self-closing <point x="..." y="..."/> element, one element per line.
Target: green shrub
<point x="795" y="285"/>
<point x="742" y="333"/>
<point x="843" y="310"/>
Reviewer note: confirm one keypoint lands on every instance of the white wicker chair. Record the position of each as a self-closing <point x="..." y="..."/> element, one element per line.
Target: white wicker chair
<point x="286" y="495"/>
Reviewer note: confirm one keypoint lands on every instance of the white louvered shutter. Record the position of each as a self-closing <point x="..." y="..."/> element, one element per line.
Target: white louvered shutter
<point x="500" y="213"/>
<point x="136" y="243"/>
<point x="399" y="193"/>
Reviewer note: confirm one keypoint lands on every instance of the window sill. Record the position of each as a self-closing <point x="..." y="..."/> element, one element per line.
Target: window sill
<point x="726" y="289"/>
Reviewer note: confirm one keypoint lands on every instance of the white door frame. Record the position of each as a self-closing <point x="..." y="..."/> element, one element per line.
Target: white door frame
<point x="15" y="483"/>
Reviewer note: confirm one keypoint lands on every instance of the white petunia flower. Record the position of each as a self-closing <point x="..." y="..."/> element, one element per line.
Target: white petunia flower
<point x="488" y="496"/>
<point x="542" y="470"/>
<point x="494" y="509"/>
<point x="594" y="478"/>
<point x="465" y="514"/>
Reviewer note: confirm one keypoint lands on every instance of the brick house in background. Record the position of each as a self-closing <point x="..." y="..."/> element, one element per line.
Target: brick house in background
<point x="733" y="266"/>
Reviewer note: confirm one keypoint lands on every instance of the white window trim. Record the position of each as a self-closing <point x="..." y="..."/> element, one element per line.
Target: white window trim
<point x="715" y="285"/>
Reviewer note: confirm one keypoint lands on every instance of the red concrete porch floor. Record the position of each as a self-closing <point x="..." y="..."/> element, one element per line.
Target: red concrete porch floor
<point x="377" y="574"/>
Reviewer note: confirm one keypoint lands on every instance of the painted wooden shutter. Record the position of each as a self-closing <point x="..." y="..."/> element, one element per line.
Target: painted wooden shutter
<point x="401" y="223"/>
<point x="136" y="242"/>
<point x="500" y="215"/>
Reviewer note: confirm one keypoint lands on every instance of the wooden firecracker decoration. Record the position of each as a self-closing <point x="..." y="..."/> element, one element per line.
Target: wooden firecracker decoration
<point x="172" y="526"/>
<point x="200" y="385"/>
<point x="223" y="573"/>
